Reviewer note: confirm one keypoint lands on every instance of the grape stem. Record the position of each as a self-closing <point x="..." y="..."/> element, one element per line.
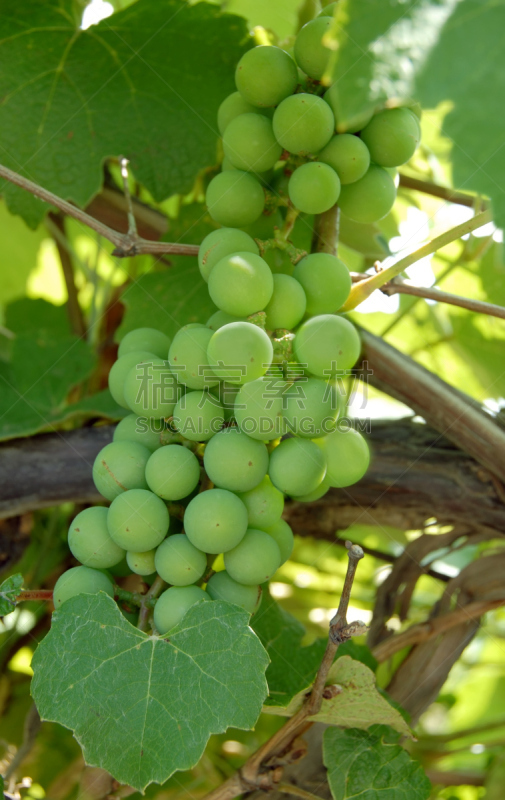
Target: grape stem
<point x="147" y="605"/>
<point x="35" y="594"/>
<point x="433" y="189"/>
<point x="261" y="770"/>
<point x="399" y="286"/>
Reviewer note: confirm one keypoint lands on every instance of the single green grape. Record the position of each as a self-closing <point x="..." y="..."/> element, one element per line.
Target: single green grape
<point x="179" y="562"/>
<point x="283" y="535"/>
<point x="140" y="430"/>
<point x="347" y="456"/>
<point x="240" y="352"/>
<point x="188" y="358"/>
<point x="329" y="10"/>
<point x="326" y="282"/>
<point x="198" y="416"/>
<point x="121" y="368"/>
<point x="355" y="123"/>
<point x="303" y="124"/>
<point x="287" y="304"/>
<point x="235" y="198"/>
<point x="348" y="155"/>
<point x="80" y="580"/>
<point x="392" y="137"/>
<point x="120" y="466"/>
<point x="234" y="461"/>
<point x="149" y="339"/>
<point x="90" y="542"/>
<point x="138" y="520"/>
<point x="220" y="318"/>
<point x="314" y="188"/>
<point x="151" y="390"/>
<point x="241" y="284"/>
<point x="221" y="243"/>
<point x="173" y="472"/>
<point x="311" y="497"/>
<point x="369" y="199"/>
<point x="222" y="587"/>
<point x="310" y="52"/>
<point x="232" y="106"/>
<point x="141" y="563"/>
<point x="254" y="560"/>
<point x="327" y="345"/>
<point x="173" y="605"/>
<point x="266" y="75"/>
<point x="258" y="408"/>
<point x="297" y="466"/>
<point x="311" y="408"/>
<point x="250" y="144"/>
<point x="264" y="504"/>
<point x="215" y="521"/>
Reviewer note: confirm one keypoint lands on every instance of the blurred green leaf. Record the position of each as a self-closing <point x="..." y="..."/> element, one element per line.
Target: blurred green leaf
<point x="28" y="315"/>
<point x="9" y="591"/>
<point x="19" y="248"/>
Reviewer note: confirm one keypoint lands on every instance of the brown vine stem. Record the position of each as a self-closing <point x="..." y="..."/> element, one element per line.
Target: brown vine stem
<point x="326" y="228"/>
<point x="146" y="607"/>
<point x="255" y="772"/>
<point x="35" y="594"/>
<point x="75" y="314"/>
<point x="433" y="189"/>
<point x="125" y="244"/>
<point x="363" y="289"/>
<point x="398" y="286"/>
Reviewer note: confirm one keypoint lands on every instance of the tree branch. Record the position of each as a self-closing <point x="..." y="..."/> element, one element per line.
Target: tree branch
<point x="360" y="291"/>
<point x="75" y="314"/>
<point x="398" y="286"/>
<point x="125" y="244"/>
<point x="433" y="189"/>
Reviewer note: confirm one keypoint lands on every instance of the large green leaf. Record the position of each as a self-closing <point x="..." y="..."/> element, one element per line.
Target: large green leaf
<point x="141" y="706"/>
<point x="145" y="83"/>
<point x="370" y="766"/>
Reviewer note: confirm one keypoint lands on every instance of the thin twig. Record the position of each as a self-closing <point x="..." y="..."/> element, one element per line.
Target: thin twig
<point x="289" y="788"/>
<point x="398" y="286"/>
<point x="124" y="244"/>
<point x="30" y="731"/>
<point x="363" y="289"/>
<point x="132" y="224"/>
<point x="75" y="314"/>
<point x="433" y="189"/>
<point x="35" y="594"/>
<point x="146" y="607"/>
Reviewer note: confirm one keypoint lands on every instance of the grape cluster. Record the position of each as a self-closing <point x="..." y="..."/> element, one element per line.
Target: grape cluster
<point x="228" y="418"/>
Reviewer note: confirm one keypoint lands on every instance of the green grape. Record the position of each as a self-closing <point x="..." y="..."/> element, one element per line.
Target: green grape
<point x="215" y="521"/>
<point x="221" y="243"/>
<point x="198" y="416"/>
<point x="89" y="540"/>
<point x="283" y="535"/>
<point x="151" y="390"/>
<point x="141" y="563"/>
<point x="327" y="345"/>
<point x="347" y="455"/>
<point x="328" y="11"/>
<point x="121" y="368"/>
<point x="188" y="358"/>
<point x="321" y="490"/>
<point x="314" y="188"/>
<point x="326" y="282"/>
<point x="369" y="199"/>
<point x="311" y="408"/>
<point x="173" y="605"/>
<point x="232" y="106"/>
<point x="310" y="52"/>
<point x="266" y="75"/>
<point x="222" y="587"/>
<point x="287" y="304"/>
<point x="348" y="155"/>
<point x="392" y="136"/>
<point x="241" y="284"/>
<point x="297" y="466"/>
<point x="147" y="339"/>
<point x="220" y="318"/>
<point x="254" y="560"/>
<point x="249" y="143"/>
<point x="140" y="430"/>
<point x="258" y="408"/>
<point x="240" y="352"/>
<point x="179" y="562"/>
<point x="235" y="198"/>
<point x="234" y="461"/>
<point x="138" y="520"/>
<point x="264" y="504"/>
<point x="353" y="125"/>
<point x="173" y="472"/>
<point x="80" y="580"/>
<point x="303" y="124"/>
<point x="120" y="466"/>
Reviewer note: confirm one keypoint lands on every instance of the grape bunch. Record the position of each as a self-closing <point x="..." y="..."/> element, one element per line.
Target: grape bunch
<point x="229" y="418"/>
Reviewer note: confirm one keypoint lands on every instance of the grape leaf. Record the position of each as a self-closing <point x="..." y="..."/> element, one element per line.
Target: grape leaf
<point x="9" y="591"/>
<point x="366" y="765"/>
<point x="358" y="704"/>
<point x="30" y="315"/>
<point x="145" y="83"/>
<point x="140" y="706"/>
